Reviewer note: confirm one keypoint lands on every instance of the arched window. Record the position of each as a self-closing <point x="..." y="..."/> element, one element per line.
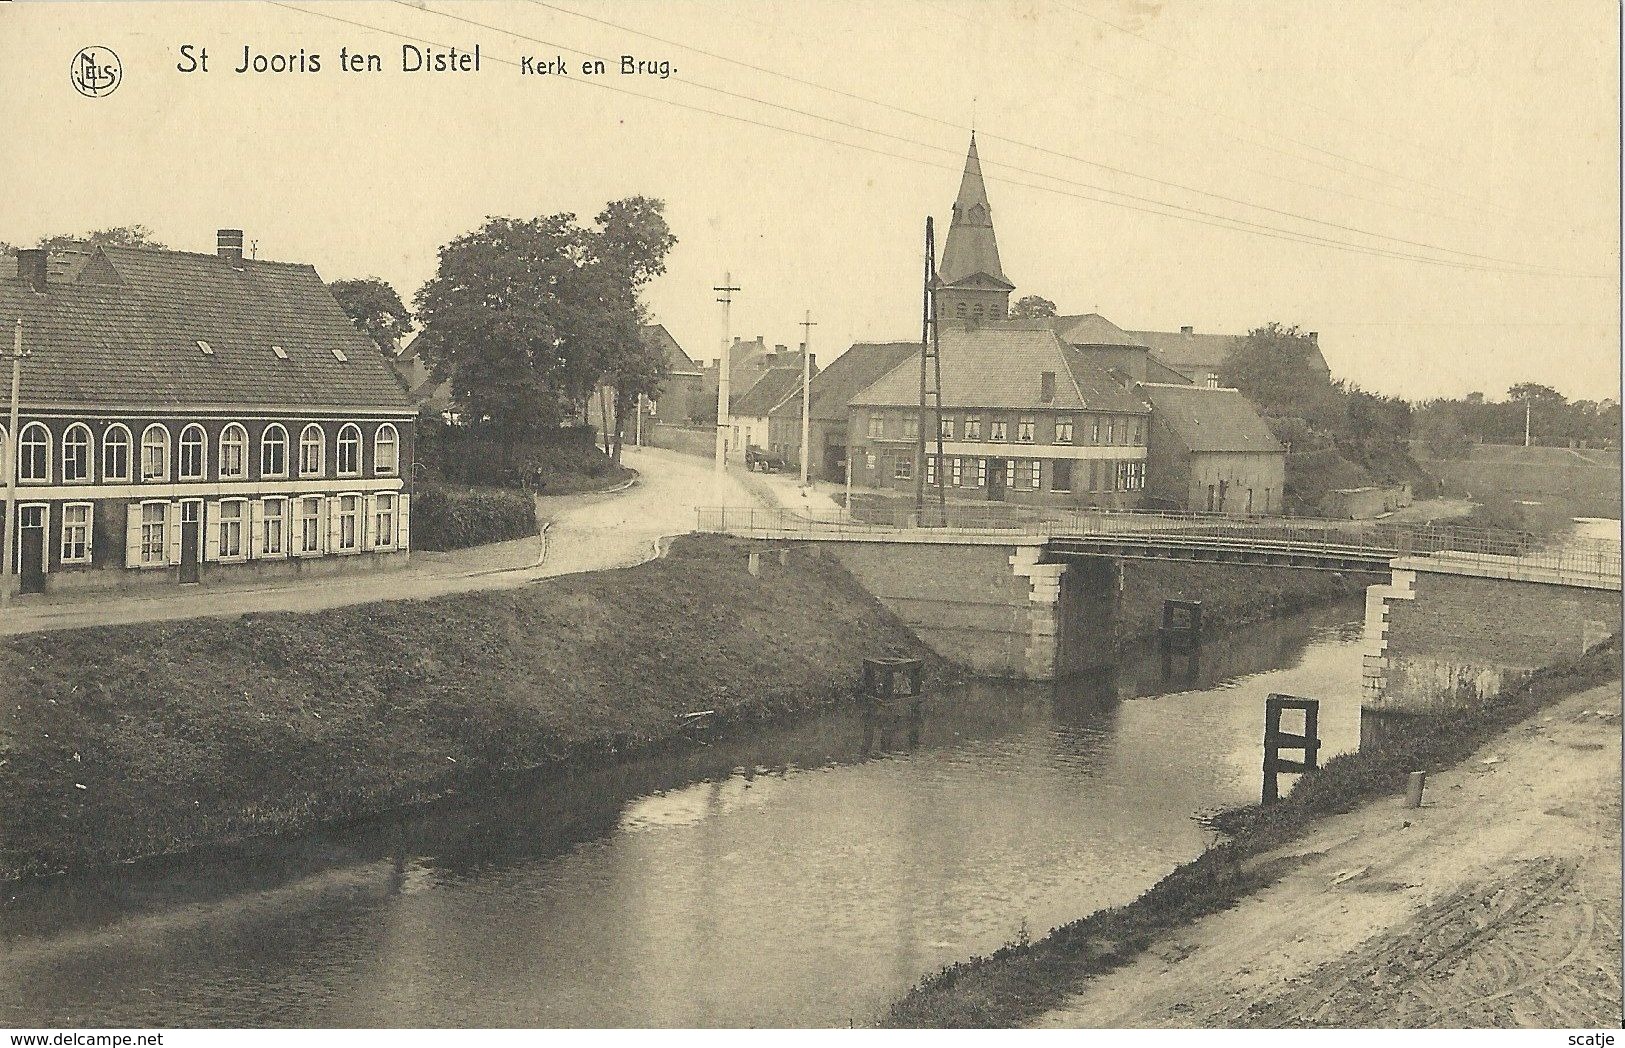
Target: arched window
<point x="34" y="454"/>
<point x="349" y="450"/>
<point x="274" y="451"/>
<point x="386" y="453"/>
<point x="155" y="453"/>
<point x="233" y="452"/>
<point x="194" y="452"/>
<point x="76" y="453"/>
<point x="312" y="449"/>
<point x="116" y="453"/>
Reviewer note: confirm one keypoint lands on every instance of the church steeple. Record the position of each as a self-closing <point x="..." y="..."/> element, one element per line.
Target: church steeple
<point x="970" y="281"/>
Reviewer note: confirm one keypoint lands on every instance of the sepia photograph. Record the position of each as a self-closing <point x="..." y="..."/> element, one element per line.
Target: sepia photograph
<point x="719" y="515"/>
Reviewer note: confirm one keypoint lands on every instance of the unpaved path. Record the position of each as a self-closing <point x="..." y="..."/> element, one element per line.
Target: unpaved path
<point x="1497" y="904"/>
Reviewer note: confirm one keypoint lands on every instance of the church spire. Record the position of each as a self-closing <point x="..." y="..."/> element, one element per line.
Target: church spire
<point x="970" y="275"/>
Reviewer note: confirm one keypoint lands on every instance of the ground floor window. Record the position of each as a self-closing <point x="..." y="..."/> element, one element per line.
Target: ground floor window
<point x="76" y="533"/>
<point x="154" y="518"/>
<point x="931" y="469"/>
<point x="349" y="524"/>
<point x="903" y="468"/>
<point x="956" y="467"/>
<point x="273" y="527"/>
<point x="232" y="513"/>
<point x="981" y="473"/>
<point x="310" y="525"/>
<point x="1035" y="473"/>
<point x="383" y="521"/>
<point x="1060" y="475"/>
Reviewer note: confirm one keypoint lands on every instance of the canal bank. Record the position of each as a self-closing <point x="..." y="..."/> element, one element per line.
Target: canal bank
<point x="1026" y="981"/>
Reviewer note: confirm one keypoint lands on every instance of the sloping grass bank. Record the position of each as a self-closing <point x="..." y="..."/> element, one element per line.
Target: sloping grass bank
<point x="130" y="741"/>
<point x="1021" y="981"/>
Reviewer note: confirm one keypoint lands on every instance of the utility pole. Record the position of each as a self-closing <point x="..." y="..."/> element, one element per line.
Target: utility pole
<point x="807" y="324"/>
<point x="930" y="390"/>
<point x="10" y="554"/>
<point x="638" y="439"/>
<point x="727" y="291"/>
<point x="1526" y="406"/>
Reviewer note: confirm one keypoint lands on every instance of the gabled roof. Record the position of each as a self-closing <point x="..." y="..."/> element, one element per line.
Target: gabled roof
<point x="1091" y="329"/>
<point x="124" y="335"/>
<point x="774" y="387"/>
<point x="1002" y="366"/>
<point x="850" y="374"/>
<point x="1186" y="352"/>
<point x="1157" y="371"/>
<point x="678" y="362"/>
<point x="971" y="250"/>
<point x="1210" y="419"/>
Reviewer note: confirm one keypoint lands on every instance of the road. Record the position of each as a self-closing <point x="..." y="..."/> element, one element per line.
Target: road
<point x="1497" y="904"/>
<point x="585" y="533"/>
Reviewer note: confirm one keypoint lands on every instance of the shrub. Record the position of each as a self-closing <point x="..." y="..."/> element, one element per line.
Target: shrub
<point x="456" y="518"/>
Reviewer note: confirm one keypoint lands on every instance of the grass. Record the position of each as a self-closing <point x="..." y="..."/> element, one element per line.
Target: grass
<point x="1021" y="981"/>
<point x="129" y="741"/>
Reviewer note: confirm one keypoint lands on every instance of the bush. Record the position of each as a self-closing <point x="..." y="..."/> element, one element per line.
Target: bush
<point x="452" y="518"/>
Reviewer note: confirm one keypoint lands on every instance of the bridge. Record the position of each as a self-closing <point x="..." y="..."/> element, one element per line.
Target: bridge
<point x="1034" y="594"/>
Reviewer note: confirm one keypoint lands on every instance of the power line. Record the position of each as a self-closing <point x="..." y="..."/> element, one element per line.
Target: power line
<point x="1159" y="207"/>
<point x="1026" y="171"/>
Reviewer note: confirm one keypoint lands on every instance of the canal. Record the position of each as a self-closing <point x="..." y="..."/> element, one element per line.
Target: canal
<point x="803" y="877"/>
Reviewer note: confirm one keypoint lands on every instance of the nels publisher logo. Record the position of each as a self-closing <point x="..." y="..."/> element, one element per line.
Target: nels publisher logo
<point x="96" y="71"/>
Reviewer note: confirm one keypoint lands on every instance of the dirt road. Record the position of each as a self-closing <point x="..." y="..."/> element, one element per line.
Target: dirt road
<point x="1497" y="904"/>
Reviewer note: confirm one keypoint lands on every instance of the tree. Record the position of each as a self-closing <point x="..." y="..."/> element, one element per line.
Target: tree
<point x="1032" y="307"/>
<point x="116" y="236"/>
<point x="1278" y="369"/>
<point x="633" y="241"/>
<point x="1536" y="393"/>
<point x="374" y="308"/>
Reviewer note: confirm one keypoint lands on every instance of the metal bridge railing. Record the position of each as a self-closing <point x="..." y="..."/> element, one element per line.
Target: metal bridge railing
<point x="1582" y="557"/>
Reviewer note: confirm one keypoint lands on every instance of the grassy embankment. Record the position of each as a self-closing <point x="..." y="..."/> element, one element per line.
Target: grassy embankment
<point x="1021" y="981"/>
<point x="128" y="741"/>
<point x="1230" y="595"/>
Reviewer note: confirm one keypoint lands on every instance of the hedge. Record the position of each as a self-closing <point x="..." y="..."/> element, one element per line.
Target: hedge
<point x="456" y="518"/>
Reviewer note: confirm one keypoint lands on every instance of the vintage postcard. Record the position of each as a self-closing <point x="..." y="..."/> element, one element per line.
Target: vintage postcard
<point x="706" y="514"/>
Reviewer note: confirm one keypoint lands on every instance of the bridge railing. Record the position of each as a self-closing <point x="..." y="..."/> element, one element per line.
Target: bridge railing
<point x="1587" y="557"/>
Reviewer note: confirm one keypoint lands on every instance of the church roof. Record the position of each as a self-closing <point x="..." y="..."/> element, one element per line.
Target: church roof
<point x="971" y="248"/>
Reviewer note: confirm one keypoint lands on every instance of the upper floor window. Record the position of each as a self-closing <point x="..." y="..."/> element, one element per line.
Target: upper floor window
<point x="155" y="453"/>
<point x="312" y="451"/>
<point x="1111" y="431"/>
<point x="386" y="449"/>
<point x="233" y="452"/>
<point x="877" y="427"/>
<point x="1094" y="430"/>
<point x="911" y="428"/>
<point x="194" y="453"/>
<point x="1063" y="431"/>
<point x="947" y="429"/>
<point x="34" y="453"/>
<point x="998" y="430"/>
<point x="973" y="428"/>
<point x="274" y="451"/>
<point x="76" y="454"/>
<point x="349" y="450"/>
<point x="1024" y="431"/>
<point x="1139" y="431"/>
<point x="116" y="453"/>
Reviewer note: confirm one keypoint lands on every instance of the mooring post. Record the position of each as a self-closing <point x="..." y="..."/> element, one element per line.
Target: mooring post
<point x="784" y="557"/>
<point x="1275" y="740"/>
<point x="755" y="563"/>
<point x="1413" y="789"/>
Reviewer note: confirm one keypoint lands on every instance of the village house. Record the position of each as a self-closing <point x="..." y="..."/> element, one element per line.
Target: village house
<point x="1199" y="358"/>
<point x="832" y="391"/>
<point x="190" y="417"/>
<point x="752" y="421"/>
<point x="1025" y="419"/>
<point x="681" y="397"/>
<point x="1211" y="452"/>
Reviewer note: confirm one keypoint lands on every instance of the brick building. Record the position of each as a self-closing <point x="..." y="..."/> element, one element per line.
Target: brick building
<point x="187" y="417"/>
<point x="832" y="391"/>
<point x="1211" y="452"/>
<point x="1026" y="419"/>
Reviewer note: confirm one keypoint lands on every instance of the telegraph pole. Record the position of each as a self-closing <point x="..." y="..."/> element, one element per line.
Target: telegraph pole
<point x="10" y="456"/>
<point x="807" y="324"/>
<point x="727" y="291"/>
<point x="1527" y="403"/>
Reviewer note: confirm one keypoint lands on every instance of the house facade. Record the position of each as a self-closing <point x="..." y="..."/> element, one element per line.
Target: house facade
<point x="1210" y="452"/>
<point x="833" y="388"/>
<point x="1198" y="358"/>
<point x="1025" y="419"/>
<point x="191" y="418"/>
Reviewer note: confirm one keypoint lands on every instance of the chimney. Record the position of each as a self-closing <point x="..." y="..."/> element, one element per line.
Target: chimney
<point x="1314" y="336"/>
<point x="31" y="266"/>
<point x="1187" y="331"/>
<point x="736" y="340"/>
<point x="228" y="244"/>
<point x="780" y="349"/>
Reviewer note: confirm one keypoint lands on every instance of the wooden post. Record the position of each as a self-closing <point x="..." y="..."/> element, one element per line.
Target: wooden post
<point x="1413" y="789"/>
<point x="784" y="557"/>
<point x="1275" y="740"/>
<point x="755" y="563"/>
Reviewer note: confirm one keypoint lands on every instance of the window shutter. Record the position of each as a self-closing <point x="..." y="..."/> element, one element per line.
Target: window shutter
<point x="403" y="530"/>
<point x="172" y="531"/>
<point x="256" y="529"/>
<point x="211" y="531"/>
<point x="132" y="535"/>
<point x="369" y="506"/>
<point x="331" y="507"/>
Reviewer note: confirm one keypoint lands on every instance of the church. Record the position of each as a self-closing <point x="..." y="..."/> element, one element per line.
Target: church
<point x="1067" y="411"/>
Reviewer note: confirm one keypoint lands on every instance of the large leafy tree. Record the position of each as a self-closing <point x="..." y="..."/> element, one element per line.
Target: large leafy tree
<point x="117" y="236"/>
<point x="1278" y="369"/>
<point x="633" y="241"/>
<point x="1032" y="307"/>
<point x="375" y="308"/>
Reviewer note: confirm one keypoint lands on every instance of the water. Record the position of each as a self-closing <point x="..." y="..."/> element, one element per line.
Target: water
<point x="803" y="878"/>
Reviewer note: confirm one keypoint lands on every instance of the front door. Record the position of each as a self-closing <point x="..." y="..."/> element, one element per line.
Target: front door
<point x="996" y="477"/>
<point x="31" y="540"/>
<point x="191" y="540"/>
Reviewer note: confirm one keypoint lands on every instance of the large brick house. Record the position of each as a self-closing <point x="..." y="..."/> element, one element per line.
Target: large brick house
<point x="1025" y="419"/>
<point x="191" y="417"/>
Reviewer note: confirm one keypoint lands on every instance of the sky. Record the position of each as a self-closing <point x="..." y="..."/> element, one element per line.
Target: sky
<point x="1432" y="186"/>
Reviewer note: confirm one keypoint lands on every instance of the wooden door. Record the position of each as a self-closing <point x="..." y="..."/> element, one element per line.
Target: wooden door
<point x="31" y="541"/>
<point x="191" y="541"/>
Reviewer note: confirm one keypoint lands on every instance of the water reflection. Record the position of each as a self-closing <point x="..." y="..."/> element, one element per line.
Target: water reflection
<point x="802" y="877"/>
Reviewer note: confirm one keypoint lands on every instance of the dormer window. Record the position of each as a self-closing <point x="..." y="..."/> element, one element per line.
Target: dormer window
<point x="279" y="352"/>
<point x="206" y="349"/>
<point x="338" y="355"/>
